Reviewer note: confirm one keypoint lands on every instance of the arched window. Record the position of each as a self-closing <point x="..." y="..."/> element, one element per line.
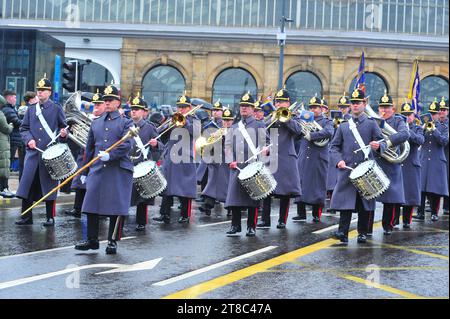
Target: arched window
<point x="94" y="76"/>
<point x="231" y="84"/>
<point x="162" y="85"/>
<point x="430" y="87"/>
<point x="375" y="88"/>
<point x="302" y="86"/>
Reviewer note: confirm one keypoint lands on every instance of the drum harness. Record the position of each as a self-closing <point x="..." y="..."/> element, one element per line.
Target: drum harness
<point x="365" y="150"/>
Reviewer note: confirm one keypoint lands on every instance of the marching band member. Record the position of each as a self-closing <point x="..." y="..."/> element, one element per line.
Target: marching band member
<point x="39" y="124"/>
<point x="343" y="106"/>
<point x="443" y="117"/>
<point x="434" y="182"/>
<point x="395" y="194"/>
<point x="78" y="183"/>
<point x="313" y="164"/>
<point x="237" y="148"/>
<point x="218" y="172"/>
<point x="259" y="112"/>
<point x="181" y="176"/>
<point x="147" y="131"/>
<point x="411" y="167"/>
<point x="287" y="174"/>
<point x="346" y="198"/>
<point x="109" y="181"/>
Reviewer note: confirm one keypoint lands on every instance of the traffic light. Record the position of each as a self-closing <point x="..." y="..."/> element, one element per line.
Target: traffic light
<point x="71" y="76"/>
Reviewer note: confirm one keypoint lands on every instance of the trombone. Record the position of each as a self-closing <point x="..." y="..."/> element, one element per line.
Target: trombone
<point x="282" y="114"/>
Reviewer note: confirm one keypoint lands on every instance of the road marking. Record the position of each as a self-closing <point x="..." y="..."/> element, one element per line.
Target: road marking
<point x="359" y="269"/>
<point x="324" y="230"/>
<point x="226" y="222"/>
<point x="53" y="249"/>
<point x="197" y="290"/>
<point x="381" y="247"/>
<point x="419" y="252"/>
<point x="146" y="265"/>
<point x="214" y="266"/>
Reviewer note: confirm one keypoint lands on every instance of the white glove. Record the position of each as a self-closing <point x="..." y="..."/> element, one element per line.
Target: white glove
<point x="103" y="156"/>
<point x="307" y="135"/>
<point x="83" y="179"/>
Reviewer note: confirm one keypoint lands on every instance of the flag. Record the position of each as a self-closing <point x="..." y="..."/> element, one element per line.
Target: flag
<point x="360" y="78"/>
<point x="414" y="87"/>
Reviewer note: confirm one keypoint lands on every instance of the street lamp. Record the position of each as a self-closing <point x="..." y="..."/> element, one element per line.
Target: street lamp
<point x="281" y="37"/>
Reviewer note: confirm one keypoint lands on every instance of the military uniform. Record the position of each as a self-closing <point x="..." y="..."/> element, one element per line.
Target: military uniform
<point x="313" y="165"/>
<point x="237" y="149"/>
<point x="181" y="177"/>
<point x="434" y="163"/>
<point x="110" y="180"/>
<point x="346" y="198"/>
<point x="444" y="106"/>
<point x="147" y="131"/>
<point x="395" y="194"/>
<point x="287" y="173"/>
<point x="36" y="181"/>
<point x="411" y="170"/>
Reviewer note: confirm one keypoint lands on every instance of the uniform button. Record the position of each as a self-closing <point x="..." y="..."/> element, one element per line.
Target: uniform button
<point x="104" y="165"/>
<point x="40" y="129"/>
<point x="356" y="142"/>
<point x="429" y="159"/>
<point x="356" y="163"/>
<point x="39" y="139"/>
<point x="429" y="150"/>
<point x="307" y="156"/>
<point x="106" y="140"/>
<point x="106" y="129"/>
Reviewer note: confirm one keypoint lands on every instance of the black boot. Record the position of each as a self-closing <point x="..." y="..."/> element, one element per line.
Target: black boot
<point x="25" y="221"/>
<point x="419" y="216"/>
<point x="111" y="249"/>
<point x="50" y="222"/>
<point x="73" y="212"/>
<point x="234" y="230"/>
<point x="250" y="232"/>
<point x="87" y="244"/>
<point x="183" y="220"/>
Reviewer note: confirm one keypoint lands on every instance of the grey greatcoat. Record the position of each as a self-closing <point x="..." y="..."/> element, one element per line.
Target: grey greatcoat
<point x="32" y="129"/>
<point x="411" y="166"/>
<point x="238" y="150"/>
<point x="342" y="147"/>
<point x="109" y="184"/>
<point x="283" y="151"/>
<point x="313" y="164"/>
<point x="178" y="166"/>
<point x="147" y="131"/>
<point x="395" y="194"/>
<point x="434" y="163"/>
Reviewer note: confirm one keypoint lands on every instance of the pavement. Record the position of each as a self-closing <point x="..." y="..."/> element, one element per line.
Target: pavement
<point x="197" y="260"/>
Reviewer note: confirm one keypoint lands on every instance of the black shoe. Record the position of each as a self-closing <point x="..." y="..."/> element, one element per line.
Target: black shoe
<point x="419" y="216"/>
<point x="434" y="217"/>
<point x="7" y="194"/>
<point x="388" y="232"/>
<point x="140" y="227"/>
<point x="234" y="230"/>
<point x="362" y="239"/>
<point x="24" y="221"/>
<point x="162" y="218"/>
<point x="369" y="235"/>
<point x="50" y="222"/>
<point x="74" y="212"/>
<point x="341" y="236"/>
<point x="299" y="219"/>
<point x="316" y="219"/>
<point x="183" y="220"/>
<point x="87" y="244"/>
<point x="229" y="213"/>
<point x="250" y="232"/>
<point x="111" y="249"/>
<point x="199" y="200"/>
<point x="263" y="225"/>
<point x="281" y="225"/>
<point x="406" y="226"/>
<point x="428" y="209"/>
<point x="331" y="211"/>
<point x="207" y="211"/>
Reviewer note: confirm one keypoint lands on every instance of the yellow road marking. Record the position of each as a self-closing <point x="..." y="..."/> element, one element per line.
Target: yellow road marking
<point x="197" y="290"/>
<point x="419" y="252"/>
<point x="360" y="269"/>
<point x="381" y="247"/>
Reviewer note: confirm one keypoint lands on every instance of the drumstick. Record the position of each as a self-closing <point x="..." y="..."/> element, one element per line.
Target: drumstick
<point x="37" y="148"/>
<point x="350" y="168"/>
<point x="363" y="148"/>
<point x="59" y="134"/>
<point x="255" y="155"/>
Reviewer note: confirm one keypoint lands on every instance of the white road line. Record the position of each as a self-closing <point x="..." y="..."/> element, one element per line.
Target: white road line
<point x="226" y="222"/>
<point x="211" y="267"/>
<point x="324" y="230"/>
<point x="53" y="249"/>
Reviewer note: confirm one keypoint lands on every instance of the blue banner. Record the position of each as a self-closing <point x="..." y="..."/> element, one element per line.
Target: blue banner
<point x="57" y="78"/>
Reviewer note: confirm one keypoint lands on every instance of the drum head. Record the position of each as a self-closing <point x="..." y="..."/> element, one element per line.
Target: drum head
<point x="143" y="169"/>
<point x="361" y="169"/>
<point x="250" y="170"/>
<point x="54" y="151"/>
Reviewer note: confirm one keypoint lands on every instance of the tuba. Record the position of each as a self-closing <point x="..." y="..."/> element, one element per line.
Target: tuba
<point x="79" y="122"/>
<point x="312" y="127"/>
<point x="393" y="154"/>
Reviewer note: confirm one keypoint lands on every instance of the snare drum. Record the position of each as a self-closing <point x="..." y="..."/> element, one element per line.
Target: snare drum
<point x="59" y="161"/>
<point x="257" y="180"/>
<point x="148" y="180"/>
<point x="369" y="179"/>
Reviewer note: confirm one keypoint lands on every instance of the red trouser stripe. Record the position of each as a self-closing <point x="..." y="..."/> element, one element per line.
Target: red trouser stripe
<point x="256" y="216"/>
<point x="54" y="209"/>
<point x="320" y="211"/>
<point x="410" y="214"/>
<point x="393" y="217"/>
<point x="287" y="210"/>
<point x="189" y="208"/>
<point x="438" y="204"/>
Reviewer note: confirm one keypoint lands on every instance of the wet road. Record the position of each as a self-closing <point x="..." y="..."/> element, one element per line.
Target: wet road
<point x="197" y="260"/>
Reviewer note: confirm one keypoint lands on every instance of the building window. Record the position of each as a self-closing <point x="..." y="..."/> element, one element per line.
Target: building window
<point x="302" y="86"/>
<point x="231" y="84"/>
<point x="375" y="88"/>
<point x="162" y="85"/>
<point x="432" y="87"/>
